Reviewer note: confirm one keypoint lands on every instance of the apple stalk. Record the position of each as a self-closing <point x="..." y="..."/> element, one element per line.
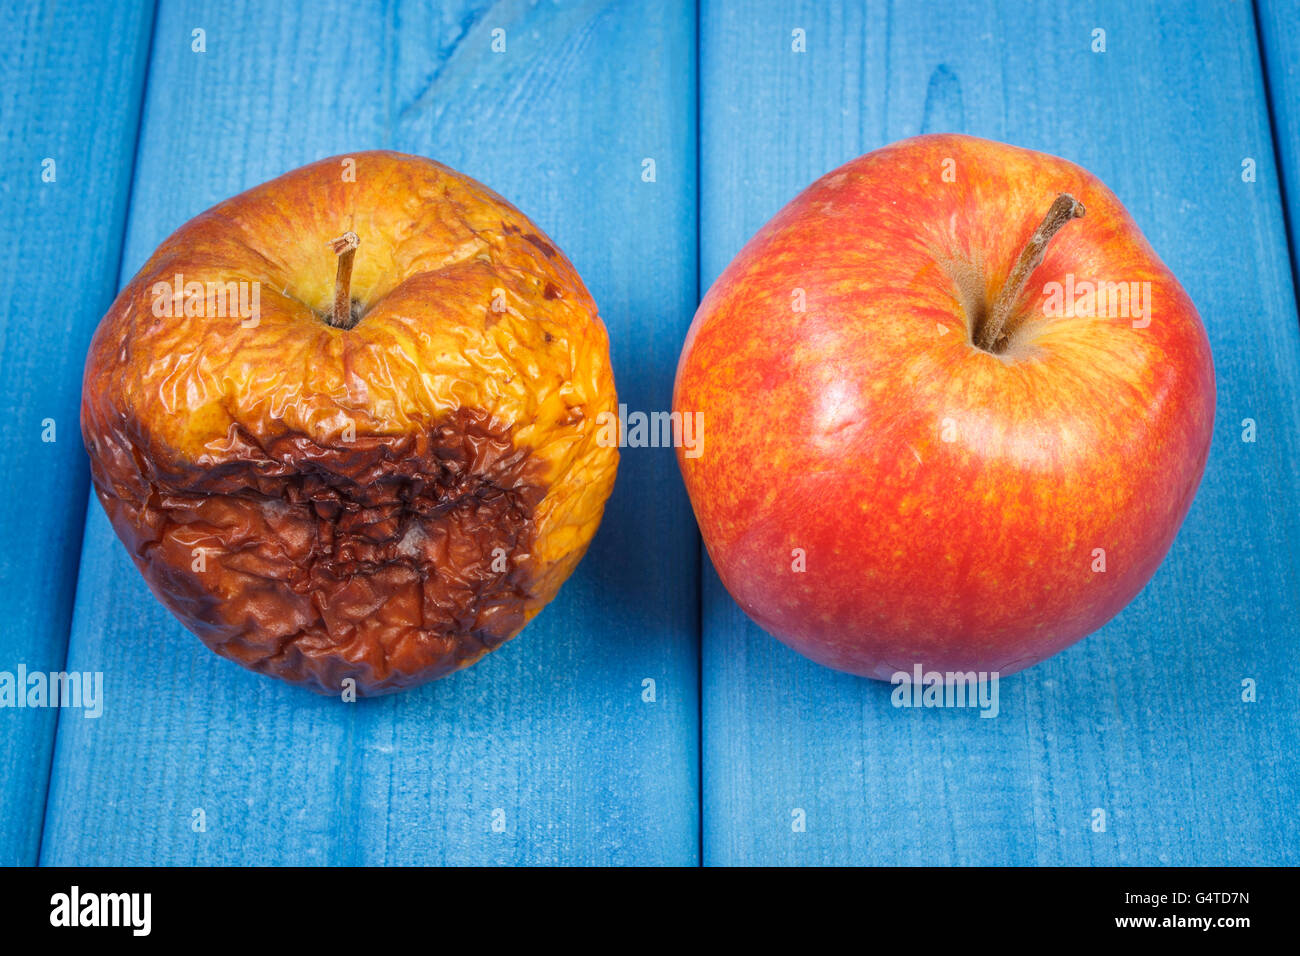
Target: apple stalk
<point x="345" y="247"/>
<point x="992" y="334"/>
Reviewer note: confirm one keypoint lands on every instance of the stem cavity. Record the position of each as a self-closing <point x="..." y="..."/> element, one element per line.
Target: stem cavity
<point x="991" y="335"/>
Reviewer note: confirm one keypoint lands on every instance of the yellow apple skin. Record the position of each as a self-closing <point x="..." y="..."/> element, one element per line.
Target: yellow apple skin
<point x="374" y="506"/>
<point x="876" y="491"/>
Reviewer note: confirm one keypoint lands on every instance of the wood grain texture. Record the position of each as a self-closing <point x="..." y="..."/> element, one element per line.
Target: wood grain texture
<point x="70" y="94"/>
<point x="1278" y="23"/>
<point x="550" y="734"/>
<point x="1145" y="719"/>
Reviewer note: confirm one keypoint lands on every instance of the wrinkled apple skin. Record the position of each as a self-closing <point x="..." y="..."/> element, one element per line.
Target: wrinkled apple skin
<point x="385" y="503"/>
<point x="947" y="501"/>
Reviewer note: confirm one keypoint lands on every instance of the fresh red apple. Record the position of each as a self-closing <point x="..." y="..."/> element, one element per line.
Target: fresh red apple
<point x="345" y="423"/>
<point x="956" y="408"/>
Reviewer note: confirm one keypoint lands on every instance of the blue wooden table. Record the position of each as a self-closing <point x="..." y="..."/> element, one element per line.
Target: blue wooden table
<point x="120" y="121"/>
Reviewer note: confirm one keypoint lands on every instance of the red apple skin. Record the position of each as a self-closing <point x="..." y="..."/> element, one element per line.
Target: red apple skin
<point x="825" y="428"/>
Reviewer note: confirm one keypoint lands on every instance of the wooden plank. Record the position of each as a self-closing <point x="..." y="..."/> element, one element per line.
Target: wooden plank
<point x="1145" y="719"/>
<point x="71" y="83"/>
<point x="551" y="729"/>
<point x="1278" y="22"/>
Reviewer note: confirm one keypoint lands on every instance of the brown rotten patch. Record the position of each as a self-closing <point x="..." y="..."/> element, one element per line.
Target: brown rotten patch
<point x="386" y="460"/>
<point x="392" y="561"/>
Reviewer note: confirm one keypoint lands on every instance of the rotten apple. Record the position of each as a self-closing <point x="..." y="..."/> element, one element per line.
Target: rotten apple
<point x="345" y="422"/>
<point x="958" y="409"/>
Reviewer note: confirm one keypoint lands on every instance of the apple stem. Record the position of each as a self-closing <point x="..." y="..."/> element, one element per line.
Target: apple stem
<point x="991" y="335"/>
<point x="345" y="247"/>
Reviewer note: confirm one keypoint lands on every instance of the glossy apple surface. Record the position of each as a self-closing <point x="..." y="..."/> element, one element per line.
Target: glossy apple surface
<point x="380" y="502"/>
<point x="878" y="490"/>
